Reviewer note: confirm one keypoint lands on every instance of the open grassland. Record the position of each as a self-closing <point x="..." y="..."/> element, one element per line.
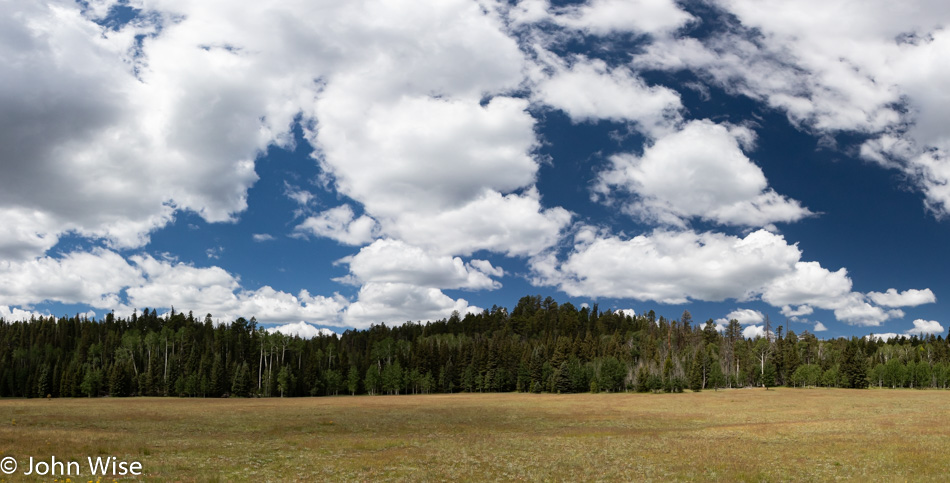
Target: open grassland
<point x="746" y="435"/>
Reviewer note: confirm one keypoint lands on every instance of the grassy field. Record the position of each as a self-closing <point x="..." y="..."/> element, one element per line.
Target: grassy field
<point x="746" y="435"/>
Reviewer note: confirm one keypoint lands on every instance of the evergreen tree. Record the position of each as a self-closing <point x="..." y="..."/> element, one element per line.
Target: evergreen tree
<point x="854" y="366"/>
<point x="241" y="384"/>
<point x="118" y="381"/>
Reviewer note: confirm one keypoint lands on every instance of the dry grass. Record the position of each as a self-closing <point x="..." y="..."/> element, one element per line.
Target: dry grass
<point x="744" y="435"/>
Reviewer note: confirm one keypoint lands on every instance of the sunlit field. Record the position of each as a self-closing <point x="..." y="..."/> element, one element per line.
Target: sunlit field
<point x="748" y="434"/>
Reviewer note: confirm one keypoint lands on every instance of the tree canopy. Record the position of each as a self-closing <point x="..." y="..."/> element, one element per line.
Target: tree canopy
<point x="538" y="346"/>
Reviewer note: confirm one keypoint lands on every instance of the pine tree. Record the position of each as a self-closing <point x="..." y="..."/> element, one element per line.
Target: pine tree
<point x="696" y="373"/>
<point x="854" y="366"/>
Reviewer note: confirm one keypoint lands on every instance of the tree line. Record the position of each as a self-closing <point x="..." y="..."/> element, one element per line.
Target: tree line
<point x="539" y="346"/>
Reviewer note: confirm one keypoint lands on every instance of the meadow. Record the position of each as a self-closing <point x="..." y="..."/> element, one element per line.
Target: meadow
<point x="746" y="435"/>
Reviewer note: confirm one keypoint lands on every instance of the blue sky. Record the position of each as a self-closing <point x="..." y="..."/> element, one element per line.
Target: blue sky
<point x="338" y="164"/>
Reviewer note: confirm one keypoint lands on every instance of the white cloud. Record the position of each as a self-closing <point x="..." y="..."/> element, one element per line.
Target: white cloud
<point x="907" y="298"/>
<point x="262" y="237"/>
<point x="880" y="74"/>
<point x="302" y="330"/>
<point x="410" y="108"/>
<point x="926" y="327"/>
<point x="921" y="328"/>
<point x="107" y="154"/>
<point x="697" y="172"/>
<point x="589" y="90"/>
<point x="670" y="267"/>
<point x="422" y="154"/>
<point x="395" y="303"/>
<point x="127" y="135"/>
<point x="854" y="310"/>
<point x="340" y="224"/>
<point x="808" y="284"/>
<point x="529" y="11"/>
<point x="394" y="261"/>
<point x="12" y="314"/>
<point x="30" y="233"/>
<point x="602" y="17"/>
<point x="100" y="277"/>
<point x="389" y="94"/>
<point x="795" y="313"/>
<point x="300" y="196"/>
<point x="273" y="306"/>
<point x="743" y="316"/>
<point x="94" y="278"/>
<point x="514" y="224"/>
<point x="676" y="267"/>
<point x="214" y="290"/>
<point x="753" y="331"/>
<point x="819" y="327"/>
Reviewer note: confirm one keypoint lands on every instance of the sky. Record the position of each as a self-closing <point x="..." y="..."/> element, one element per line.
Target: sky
<point x="325" y="165"/>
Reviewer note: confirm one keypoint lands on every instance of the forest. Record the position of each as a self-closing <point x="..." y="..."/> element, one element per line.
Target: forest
<point x="539" y="346"/>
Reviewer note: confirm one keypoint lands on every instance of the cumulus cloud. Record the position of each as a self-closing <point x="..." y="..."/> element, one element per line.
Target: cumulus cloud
<point x="95" y="278"/>
<point x="795" y="313"/>
<point x="394" y="261"/>
<point x="340" y="224"/>
<point x="214" y="290"/>
<point x="811" y="285"/>
<point x="11" y="314"/>
<point x="513" y="224"/>
<point x="588" y="90"/>
<point x="819" y="327"/>
<point x="926" y="327"/>
<point x="697" y="172"/>
<point x="907" y="298"/>
<point x="529" y="11"/>
<point x="302" y="330"/>
<point x="921" y="328"/>
<point x="808" y="283"/>
<point x="753" y="331"/>
<point x="406" y="103"/>
<point x="743" y="316"/>
<point x="603" y="17"/>
<point x="262" y="237"/>
<point x="117" y="146"/>
<point x="418" y="118"/>
<point x="879" y="75"/>
<point x="669" y="267"/>
<point x="101" y="277"/>
<point x="421" y="154"/>
<point x="139" y="131"/>
<point x="676" y="267"/>
<point x="399" y="302"/>
<point x="30" y="233"/>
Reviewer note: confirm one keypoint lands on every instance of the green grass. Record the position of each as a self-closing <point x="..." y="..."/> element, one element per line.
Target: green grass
<point x="744" y="435"/>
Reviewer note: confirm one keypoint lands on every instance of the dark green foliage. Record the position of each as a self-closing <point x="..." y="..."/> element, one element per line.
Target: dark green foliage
<point x="612" y="374"/>
<point x="540" y="346"/>
<point x="241" y="385"/>
<point x="119" y="381"/>
<point x="854" y="366"/>
<point x="769" y="375"/>
<point x="696" y="374"/>
<point x="353" y="380"/>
